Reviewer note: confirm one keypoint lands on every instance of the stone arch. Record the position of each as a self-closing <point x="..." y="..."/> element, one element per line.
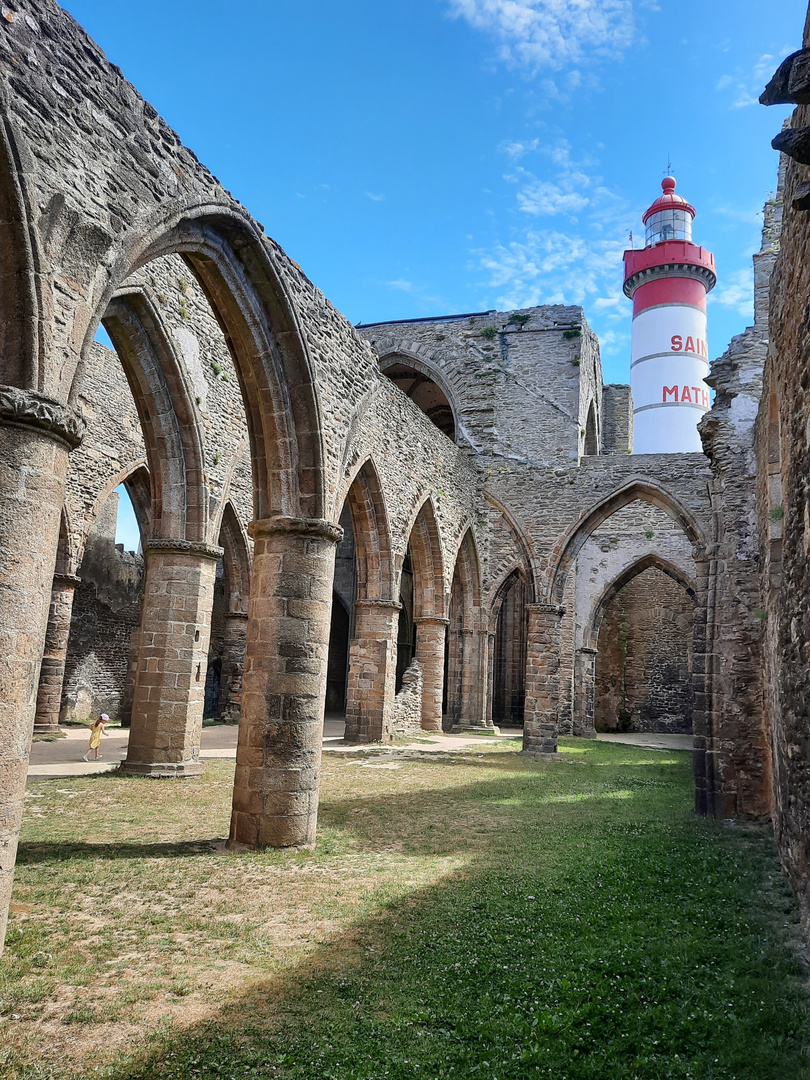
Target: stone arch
<point x="465" y="649"/>
<point x="639" y="671"/>
<point x="226" y="657"/>
<point x="597" y="615"/>
<point x="236" y="560"/>
<point x="507" y="649"/>
<point x="430" y="600"/>
<point x="21" y="353"/>
<point x="168" y="417"/>
<point x="244" y="282"/>
<point x="375" y="563"/>
<point x="523" y="545"/>
<point x="414" y="375"/>
<point x="566" y="550"/>
<point x="429" y="610"/>
<point x="136" y="478"/>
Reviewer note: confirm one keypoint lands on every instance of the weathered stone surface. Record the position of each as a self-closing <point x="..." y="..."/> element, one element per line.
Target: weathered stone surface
<point x="790" y="84"/>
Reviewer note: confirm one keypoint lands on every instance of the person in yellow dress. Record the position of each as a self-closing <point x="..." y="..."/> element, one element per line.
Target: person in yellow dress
<point x="96" y="731"/>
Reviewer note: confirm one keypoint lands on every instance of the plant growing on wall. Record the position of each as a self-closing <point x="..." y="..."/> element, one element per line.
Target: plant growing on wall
<point x="519" y="319"/>
<point x="489" y="332"/>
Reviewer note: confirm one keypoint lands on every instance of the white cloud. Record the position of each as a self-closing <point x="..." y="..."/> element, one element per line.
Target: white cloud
<point x="580" y="264"/>
<point x="537" y="34"/>
<point x="736" y="291"/>
<point x="748" y="84"/>
<point x="375" y="198"/>
<point x="541" y="198"/>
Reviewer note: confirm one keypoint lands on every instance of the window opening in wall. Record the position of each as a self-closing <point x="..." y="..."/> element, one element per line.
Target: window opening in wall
<point x="591" y="433"/>
<point x="425" y="393"/>
<point x="127" y="530"/>
<point x="103" y="338"/>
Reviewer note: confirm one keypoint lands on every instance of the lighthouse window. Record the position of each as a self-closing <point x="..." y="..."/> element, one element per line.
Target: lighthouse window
<point x="669" y="224"/>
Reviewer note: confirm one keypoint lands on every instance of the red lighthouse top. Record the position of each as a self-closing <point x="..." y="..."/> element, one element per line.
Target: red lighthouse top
<point x="668" y="254"/>
<point x="669" y="200"/>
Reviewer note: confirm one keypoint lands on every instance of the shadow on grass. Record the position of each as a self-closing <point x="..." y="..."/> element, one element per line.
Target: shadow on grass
<point x="618" y="938"/>
<point x="30" y="853"/>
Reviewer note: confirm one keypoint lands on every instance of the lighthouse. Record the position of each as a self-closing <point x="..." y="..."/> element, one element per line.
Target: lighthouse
<point x="668" y="281"/>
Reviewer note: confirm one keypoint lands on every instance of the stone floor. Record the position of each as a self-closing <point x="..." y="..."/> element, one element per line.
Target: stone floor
<point x="63" y="757"/>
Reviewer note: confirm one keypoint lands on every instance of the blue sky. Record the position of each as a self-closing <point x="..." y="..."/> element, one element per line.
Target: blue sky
<point x="423" y="157"/>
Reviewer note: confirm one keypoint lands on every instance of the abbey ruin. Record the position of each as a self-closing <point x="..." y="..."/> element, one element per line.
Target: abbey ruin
<point x="429" y="525"/>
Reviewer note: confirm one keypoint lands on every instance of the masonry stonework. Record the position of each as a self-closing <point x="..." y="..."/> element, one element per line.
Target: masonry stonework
<point x="279" y="463"/>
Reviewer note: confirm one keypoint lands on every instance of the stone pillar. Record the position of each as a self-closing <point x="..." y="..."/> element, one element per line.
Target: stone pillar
<point x="489" y="675"/>
<point x="584" y="688"/>
<point x="473" y="683"/>
<point x="167" y="705"/>
<point x="275" y="795"/>
<point x="52" y="672"/>
<point x="371" y="686"/>
<point x="233" y="666"/>
<point x="542" y="680"/>
<point x="430" y="635"/>
<point x="36" y="436"/>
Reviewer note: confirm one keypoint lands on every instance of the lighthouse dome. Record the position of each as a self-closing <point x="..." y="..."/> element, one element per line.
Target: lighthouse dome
<point x="670" y="216"/>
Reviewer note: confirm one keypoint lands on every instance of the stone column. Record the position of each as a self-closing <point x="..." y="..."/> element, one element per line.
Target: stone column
<point x="371" y="686"/>
<point x="36" y="436"/>
<point x="430" y="635"/>
<point x="52" y="672"/>
<point x="278" y="759"/>
<point x="584" y="691"/>
<point x="233" y="666"/>
<point x="540" y="723"/>
<point x="489" y="676"/>
<point x="473" y="682"/>
<point x="167" y="705"/>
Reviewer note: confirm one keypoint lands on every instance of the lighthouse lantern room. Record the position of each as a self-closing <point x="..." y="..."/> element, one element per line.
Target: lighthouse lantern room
<point x="668" y="281"/>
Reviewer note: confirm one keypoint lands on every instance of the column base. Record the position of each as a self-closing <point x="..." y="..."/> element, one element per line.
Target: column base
<point x="542" y="755"/>
<point x="48" y="729"/>
<point x="474" y="729"/>
<point x="162" y="770"/>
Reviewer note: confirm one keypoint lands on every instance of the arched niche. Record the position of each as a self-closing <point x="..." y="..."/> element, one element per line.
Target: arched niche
<point x="425" y="387"/>
<point x="643" y="636"/>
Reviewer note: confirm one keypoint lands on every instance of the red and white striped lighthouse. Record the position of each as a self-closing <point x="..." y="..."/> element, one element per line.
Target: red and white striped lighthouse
<point x="668" y="281"/>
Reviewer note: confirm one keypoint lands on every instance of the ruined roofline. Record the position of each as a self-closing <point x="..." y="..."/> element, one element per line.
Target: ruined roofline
<point x="470" y="315"/>
<point x="428" y="319"/>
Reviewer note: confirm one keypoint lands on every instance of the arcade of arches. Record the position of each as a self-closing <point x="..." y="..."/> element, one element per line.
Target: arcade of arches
<point x="423" y="526"/>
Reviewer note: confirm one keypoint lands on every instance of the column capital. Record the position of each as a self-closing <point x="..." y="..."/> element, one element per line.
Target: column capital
<point x="62" y="422"/>
<point x="431" y="620"/>
<point x="183" y="547"/>
<point x="234" y="615"/>
<point x="317" y="528"/>
<point x="587" y="649"/>
<point x="380" y="605"/>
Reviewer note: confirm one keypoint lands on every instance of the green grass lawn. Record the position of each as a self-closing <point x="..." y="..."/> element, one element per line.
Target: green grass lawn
<point x="469" y="915"/>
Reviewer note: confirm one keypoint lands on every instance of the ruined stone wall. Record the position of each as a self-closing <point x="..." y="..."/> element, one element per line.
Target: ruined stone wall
<point x="735" y="744"/>
<point x="783" y="451"/>
<point x="644" y="662"/>
<point x="106" y="609"/>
